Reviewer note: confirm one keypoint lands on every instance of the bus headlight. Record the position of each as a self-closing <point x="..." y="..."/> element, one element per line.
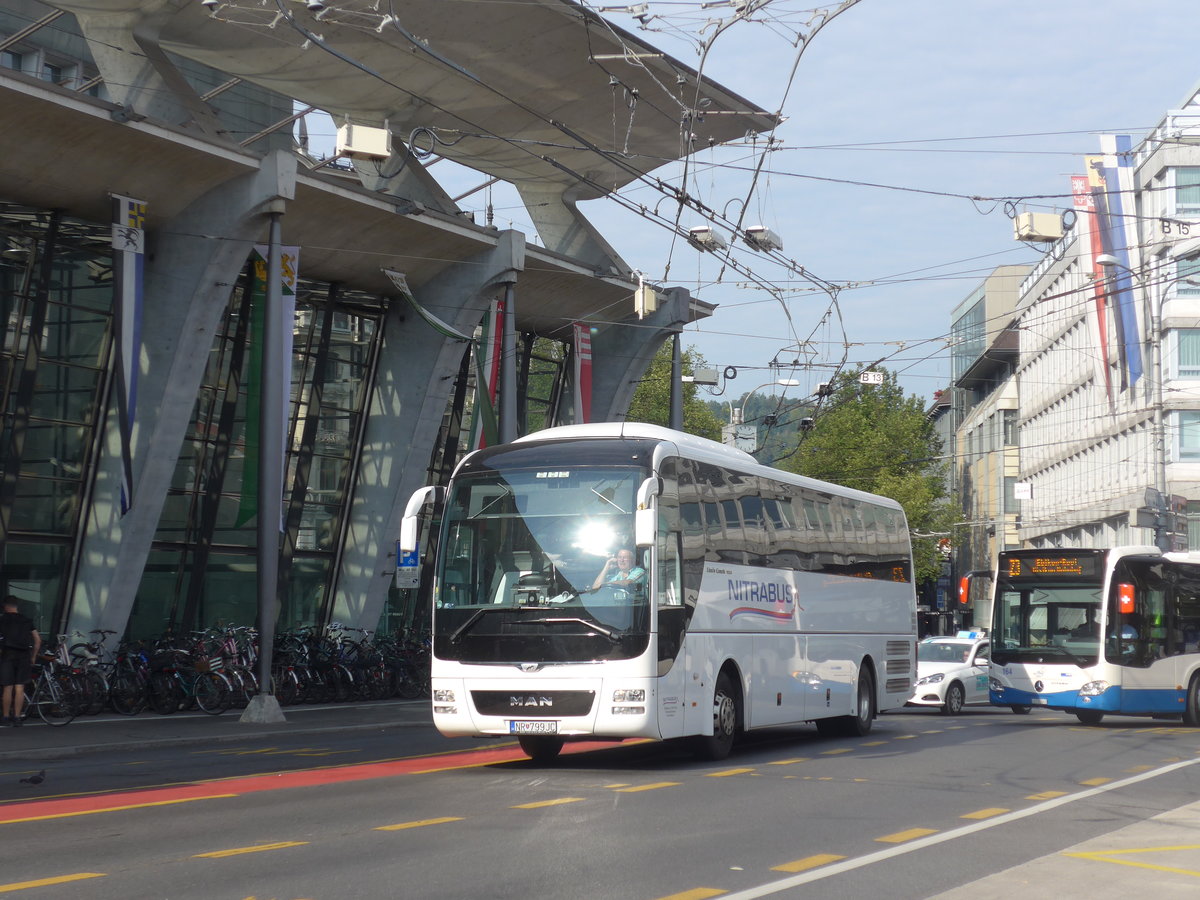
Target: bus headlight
<point x="629" y="710"/>
<point x="935" y="678"/>
<point x="1093" y="689"/>
<point x="446" y="710"/>
<point x="443" y="696"/>
<point x="625" y="695"/>
<point x="995" y="685"/>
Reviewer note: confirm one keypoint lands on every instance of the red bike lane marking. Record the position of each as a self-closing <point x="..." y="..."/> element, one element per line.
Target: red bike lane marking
<point x="63" y="807"/>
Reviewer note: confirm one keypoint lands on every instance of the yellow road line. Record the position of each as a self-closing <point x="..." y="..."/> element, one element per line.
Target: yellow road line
<point x="257" y="848"/>
<point x="696" y="894"/>
<point x="1108" y="856"/>
<point x="873" y="744"/>
<point x="985" y="813"/>
<point x="788" y="762"/>
<point x="809" y="862"/>
<point x="44" y="882"/>
<point x="837" y="751"/>
<point x="901" y="836"/>
<point x="421" y="823"/>
<point x="107" y="809"/>
<point x="541" y="803"/>
<point x="905" y="737"/>
<point x="648" y="787"/>
<point x="1134" y="769"/>
<point x="1096" y="782"/>
<point x="1047" y="795"/>
<point x="727" y="773"/>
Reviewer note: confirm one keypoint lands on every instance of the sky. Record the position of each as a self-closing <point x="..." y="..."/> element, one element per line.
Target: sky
<point x="898" y="114"/>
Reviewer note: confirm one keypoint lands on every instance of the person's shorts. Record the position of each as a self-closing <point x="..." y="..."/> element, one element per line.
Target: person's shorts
<point x="15" y="667"/>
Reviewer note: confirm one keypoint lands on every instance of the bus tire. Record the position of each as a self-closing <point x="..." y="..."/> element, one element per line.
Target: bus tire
<point x="1089" y="716"/>
<point x="1191" y="712"/>
<point x="726" y="715"/>
<point x="1021" y="709"/>
<point x="540" y="749"/>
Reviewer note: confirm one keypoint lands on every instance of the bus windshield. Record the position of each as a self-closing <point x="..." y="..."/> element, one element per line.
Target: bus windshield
<point x="1057" y="621"/>
<point x="522" y="573"/>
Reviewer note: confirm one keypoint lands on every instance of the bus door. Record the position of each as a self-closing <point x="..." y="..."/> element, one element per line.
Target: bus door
<point x="1136" y="638"/>
<point x="672" y="615"/>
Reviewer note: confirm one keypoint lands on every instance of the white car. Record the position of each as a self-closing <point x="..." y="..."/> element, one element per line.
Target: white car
<point x="952" y="672"/>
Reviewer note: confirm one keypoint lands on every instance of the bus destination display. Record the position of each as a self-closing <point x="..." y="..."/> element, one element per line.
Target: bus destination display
<point x="1052" y="565"/>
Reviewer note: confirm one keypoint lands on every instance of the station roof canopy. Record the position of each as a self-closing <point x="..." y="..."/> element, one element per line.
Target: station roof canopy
<point x="537" y="92"/>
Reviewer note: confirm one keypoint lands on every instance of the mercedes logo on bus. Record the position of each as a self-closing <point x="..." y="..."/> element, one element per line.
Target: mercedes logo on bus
<point x="1038" y="686"/>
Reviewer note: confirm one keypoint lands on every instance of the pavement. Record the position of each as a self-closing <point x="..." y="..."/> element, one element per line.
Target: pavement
<point x="1158" y="857"/>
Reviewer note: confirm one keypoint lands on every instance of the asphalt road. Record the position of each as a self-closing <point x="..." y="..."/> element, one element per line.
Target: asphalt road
<point x="923" y="805"/>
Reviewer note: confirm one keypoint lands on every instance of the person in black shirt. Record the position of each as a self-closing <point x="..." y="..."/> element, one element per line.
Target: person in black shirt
<point x="19" y="646"/>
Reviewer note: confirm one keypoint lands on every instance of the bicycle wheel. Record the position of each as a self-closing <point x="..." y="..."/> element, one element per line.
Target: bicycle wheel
<point x="165" y="694"/>
<point x="286" y="686"/>
<point x="213" y="692"/>
<point x="127" y="693"/>
<point x="52" y="703"/>
<point x="97" y="691"/>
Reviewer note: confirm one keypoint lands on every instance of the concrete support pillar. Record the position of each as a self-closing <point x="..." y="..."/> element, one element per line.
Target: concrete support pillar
<point x="563" y="229"/>
<point x="621" y="353"/>
<point x="417" y="368"/>
<point x="192" y="263"/>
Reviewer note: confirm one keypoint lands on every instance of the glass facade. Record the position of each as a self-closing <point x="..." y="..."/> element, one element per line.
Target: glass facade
<point x="56" y="301"/>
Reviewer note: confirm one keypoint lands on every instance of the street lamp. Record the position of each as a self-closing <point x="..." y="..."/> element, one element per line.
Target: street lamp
<point x="1185" y="251"/>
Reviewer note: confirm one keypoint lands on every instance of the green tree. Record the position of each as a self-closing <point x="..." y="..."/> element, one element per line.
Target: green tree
<point x="652" y="400"/>
<point x="873" y="438"/>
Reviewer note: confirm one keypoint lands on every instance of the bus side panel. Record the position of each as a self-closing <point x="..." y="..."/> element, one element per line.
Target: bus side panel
<point x="704" y="654"/>
<point x="781" y="683"/>
<point x="833" y="662"/>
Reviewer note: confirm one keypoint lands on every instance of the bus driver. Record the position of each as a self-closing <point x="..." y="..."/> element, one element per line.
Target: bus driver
<point x="620" y="572"/>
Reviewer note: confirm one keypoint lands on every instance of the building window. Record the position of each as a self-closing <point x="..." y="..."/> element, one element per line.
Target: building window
<point x="1187" y="275"/>
<point x="1187" y="191"/>
<point x="10" y="60"/>
<point x="1011" y="438"/>
<point x="52" y="73"/>
<point x="1188" y="352"/>
<point x="1189" y="434"/>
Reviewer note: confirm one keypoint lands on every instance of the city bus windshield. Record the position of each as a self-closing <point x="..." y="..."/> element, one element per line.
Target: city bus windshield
<point x="1056" y="621"/>
<point x="524" y="573"/>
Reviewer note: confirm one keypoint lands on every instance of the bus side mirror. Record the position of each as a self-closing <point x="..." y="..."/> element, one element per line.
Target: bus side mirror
<point x="645" y="518"/>
<point x="410" y="525"/>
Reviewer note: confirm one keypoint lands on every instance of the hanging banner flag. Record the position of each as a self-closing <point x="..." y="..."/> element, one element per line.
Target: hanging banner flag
<point x="487" y="351"/>
<point x="1120" y="225"/>
<point x="583" y="373"/>
<point x="129" y="250"/>
<point x="1085" y="207"/>
<point x="253" y="374"/>
<point x="444" y="328"/>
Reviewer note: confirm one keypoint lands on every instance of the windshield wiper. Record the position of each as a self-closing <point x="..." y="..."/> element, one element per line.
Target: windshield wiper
<point x="606" y="500"/>
<point x="609" y="633"/>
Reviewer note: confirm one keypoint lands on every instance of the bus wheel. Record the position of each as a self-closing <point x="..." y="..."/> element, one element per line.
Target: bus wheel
<point x="1021" y="710"/>
<point x="1191" y="713"/>
<point x="955" y="697"/>
<point x="540" y="749"/>
<point x="858" y="724"/>
<point x="725" y="718"/>
<point x="1089" y="716"/>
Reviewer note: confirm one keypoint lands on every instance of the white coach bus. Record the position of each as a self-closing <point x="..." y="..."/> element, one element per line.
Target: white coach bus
<point x="618" y="580"/>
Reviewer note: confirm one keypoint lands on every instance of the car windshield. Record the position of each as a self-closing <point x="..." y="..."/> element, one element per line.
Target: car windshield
<point x="942" y="652"/>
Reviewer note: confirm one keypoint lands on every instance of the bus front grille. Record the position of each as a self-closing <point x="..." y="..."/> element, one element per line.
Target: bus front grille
<point x="533" y="704"/>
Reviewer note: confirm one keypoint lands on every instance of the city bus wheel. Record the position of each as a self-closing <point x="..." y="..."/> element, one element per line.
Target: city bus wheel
<point x="955" y="697"/>
<point x="725" y="721"/>
<point x="1089" y="716"/>
<point x="1020" y="709"/>
<point x="1191" y="713"/>
<point x="540" y="749"/>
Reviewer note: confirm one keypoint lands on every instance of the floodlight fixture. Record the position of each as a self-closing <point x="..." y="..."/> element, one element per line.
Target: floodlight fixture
<point x="210" y="4"/>
<point x="314" y="5"/>
<point x="760" y="237"/>
<point x="705" y="237"/>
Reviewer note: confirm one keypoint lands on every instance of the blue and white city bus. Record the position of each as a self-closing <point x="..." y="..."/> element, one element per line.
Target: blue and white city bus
<point x="1096" y="632"/>
<point x="754" y="597"/>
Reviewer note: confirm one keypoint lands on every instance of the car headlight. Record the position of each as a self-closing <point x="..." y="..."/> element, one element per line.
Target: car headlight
<point x="1093" y="689"/>
<point x="995" y="684"/>
<point x="935" y="678"/>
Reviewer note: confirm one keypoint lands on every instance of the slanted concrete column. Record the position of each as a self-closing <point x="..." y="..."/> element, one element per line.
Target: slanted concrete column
<point x="192" y="263"/>
<point x="621" y="353"/>
<point x="563" y="228"/>
<point x="417" y="368"/>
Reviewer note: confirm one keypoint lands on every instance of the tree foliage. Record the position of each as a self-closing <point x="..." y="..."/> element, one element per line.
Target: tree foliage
<point x="652" y="400"/>
<point x="873" y="438"/>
